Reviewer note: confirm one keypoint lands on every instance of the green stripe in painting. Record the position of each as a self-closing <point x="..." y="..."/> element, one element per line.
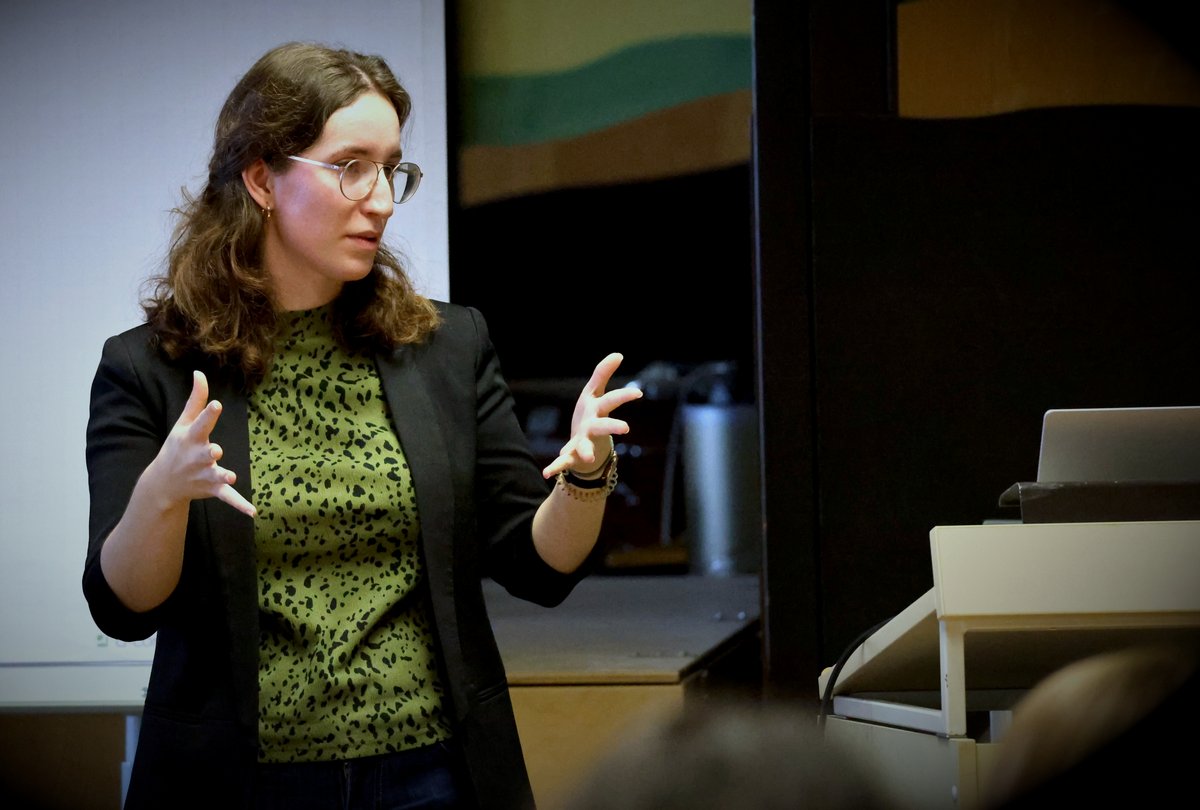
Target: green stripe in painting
<point x="514" y="110"/>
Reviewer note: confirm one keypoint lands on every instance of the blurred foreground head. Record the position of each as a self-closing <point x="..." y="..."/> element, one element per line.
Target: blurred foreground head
<point x="1102" y="728"/>
<point x="732" y="756"/>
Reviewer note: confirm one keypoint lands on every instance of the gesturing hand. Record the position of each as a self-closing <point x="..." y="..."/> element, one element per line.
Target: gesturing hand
<point x="187" y="461"/>
<point x="591" y="421"/>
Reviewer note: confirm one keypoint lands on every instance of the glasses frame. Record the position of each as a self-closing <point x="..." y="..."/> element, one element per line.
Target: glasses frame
<point x="411" y="170"/>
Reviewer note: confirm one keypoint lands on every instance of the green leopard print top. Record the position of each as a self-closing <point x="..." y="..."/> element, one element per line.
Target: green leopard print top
<point x="347" y="666"/>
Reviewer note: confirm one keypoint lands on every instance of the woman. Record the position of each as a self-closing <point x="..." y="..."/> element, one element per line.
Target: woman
<point x="300" y="469"/>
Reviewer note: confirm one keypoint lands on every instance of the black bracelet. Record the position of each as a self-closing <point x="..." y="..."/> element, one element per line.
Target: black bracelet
<point x="603" y="476"/>
<point x="586" y="483"/>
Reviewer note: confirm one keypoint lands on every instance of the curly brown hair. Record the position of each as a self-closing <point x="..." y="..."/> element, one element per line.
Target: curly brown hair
<point x="215" y="298"/>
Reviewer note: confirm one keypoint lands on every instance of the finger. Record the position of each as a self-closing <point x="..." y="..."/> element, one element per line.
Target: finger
<point x="558" y="465"/>
<point x="215" y="451"/>
<point x="614" y="399"/>
<point x="603" y="372"/>
<point x="605" y="426"/>
<point x="585" y="450"/>
<point x="613" y="427"/>
<point x="234" y="498"/>
<point x="197" y="399"/>
<point x="199" y="429"/>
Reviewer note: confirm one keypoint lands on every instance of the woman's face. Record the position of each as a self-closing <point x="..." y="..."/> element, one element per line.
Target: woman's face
<point x="316" y="239"/>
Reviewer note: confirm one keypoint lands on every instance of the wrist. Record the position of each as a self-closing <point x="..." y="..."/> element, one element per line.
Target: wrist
<point x="154" y="491"/>
<point x="601" y="485"/>
<point x="599" y="472"/>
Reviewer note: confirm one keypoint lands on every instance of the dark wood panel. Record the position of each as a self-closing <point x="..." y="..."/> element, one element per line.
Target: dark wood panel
<point x="783" y="279"/>
<point x="969" y="275"/>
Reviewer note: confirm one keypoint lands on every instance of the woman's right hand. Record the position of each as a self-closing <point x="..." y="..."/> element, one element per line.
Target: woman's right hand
<point x="186" y="467"/>
<point x="142" y="557"/>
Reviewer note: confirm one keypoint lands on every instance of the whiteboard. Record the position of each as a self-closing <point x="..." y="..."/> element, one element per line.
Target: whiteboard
<point x="108" y="109"/>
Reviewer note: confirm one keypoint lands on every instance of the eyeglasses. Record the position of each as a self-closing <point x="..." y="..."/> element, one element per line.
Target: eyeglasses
<point x="357" y="177"/>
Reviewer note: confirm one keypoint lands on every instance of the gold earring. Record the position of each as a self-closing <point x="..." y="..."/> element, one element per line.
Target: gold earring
<point x="267" y="211"/>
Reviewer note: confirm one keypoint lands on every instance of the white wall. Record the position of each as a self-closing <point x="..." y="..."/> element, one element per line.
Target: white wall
<point x="106" y="110"/>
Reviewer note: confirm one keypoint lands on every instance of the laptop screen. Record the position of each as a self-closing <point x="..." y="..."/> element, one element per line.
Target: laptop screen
<point x="1120" y="444"/>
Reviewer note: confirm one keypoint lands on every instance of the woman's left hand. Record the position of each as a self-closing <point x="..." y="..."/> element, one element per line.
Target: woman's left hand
<point x="591" y="421"/>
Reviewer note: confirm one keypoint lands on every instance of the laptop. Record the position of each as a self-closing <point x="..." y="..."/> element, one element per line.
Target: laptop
<point x="1120" y="444"/>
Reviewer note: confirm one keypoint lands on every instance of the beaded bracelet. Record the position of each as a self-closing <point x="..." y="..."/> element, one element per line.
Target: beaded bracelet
<point x="591" y="489"/>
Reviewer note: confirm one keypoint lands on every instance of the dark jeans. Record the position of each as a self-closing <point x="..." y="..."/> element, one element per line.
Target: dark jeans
<point x="421" y="779"/>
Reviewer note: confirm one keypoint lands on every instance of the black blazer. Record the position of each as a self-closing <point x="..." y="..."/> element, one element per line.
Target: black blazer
<point x="477" y="488"/>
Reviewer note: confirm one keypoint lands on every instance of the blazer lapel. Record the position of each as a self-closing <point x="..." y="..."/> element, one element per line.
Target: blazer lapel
<point x="415" y="418"/>
<point x="232" y="536"/>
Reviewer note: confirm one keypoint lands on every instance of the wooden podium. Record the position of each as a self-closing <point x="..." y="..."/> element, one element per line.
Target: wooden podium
<point x="927" y="696"/>
<point x="619" y="650"/>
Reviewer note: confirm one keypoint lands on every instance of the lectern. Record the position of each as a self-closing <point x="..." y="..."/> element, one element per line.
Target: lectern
<point x="927" y="696"/>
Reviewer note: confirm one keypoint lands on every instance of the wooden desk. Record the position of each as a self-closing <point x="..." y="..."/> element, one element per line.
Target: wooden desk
<point x="618" y="650"/>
